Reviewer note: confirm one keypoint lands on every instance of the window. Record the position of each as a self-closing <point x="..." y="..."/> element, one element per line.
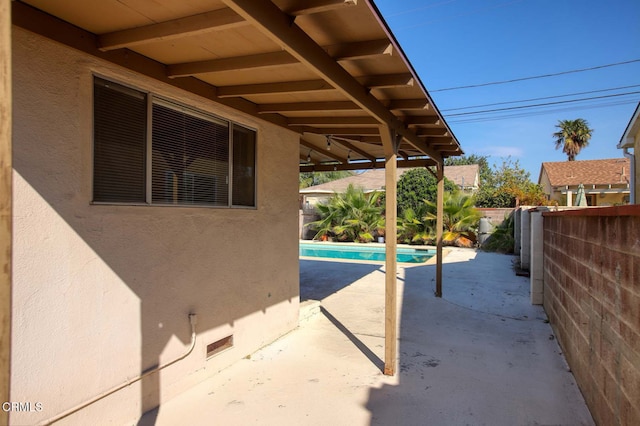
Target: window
<point x="149" y="150"/>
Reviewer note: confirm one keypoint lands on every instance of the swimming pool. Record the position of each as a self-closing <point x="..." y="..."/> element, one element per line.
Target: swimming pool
<point x="362" y="252"/>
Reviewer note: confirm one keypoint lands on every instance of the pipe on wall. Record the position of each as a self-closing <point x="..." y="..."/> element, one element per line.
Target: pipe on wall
<point x="632" y="181"/>
<point x="192" y="320"/>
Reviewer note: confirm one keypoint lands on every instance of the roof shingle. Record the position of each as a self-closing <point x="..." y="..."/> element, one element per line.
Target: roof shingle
<point x="588" y="172"/>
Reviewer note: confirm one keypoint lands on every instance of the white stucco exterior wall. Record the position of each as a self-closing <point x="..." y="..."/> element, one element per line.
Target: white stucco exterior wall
<point x="102" y="293"/>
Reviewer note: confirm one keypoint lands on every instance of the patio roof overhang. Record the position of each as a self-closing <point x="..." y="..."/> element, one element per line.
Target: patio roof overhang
<point x="329" y="70"/>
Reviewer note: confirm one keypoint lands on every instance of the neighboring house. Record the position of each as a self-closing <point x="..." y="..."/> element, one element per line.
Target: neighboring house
<point x="629" y="143"/>
<point x="465" y="177"/>
<point x="156" y="154"/>
<point x="606" y="182"/>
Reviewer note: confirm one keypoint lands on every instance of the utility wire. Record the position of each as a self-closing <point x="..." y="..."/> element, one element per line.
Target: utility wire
<point x="542" y="104"/>
<point x="542" y="98"/>
<point x="471" y="86"/>
<point x="519" y="114"/>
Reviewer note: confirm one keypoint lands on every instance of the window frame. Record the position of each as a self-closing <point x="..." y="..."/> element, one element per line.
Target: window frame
<point x="167" y="102"/>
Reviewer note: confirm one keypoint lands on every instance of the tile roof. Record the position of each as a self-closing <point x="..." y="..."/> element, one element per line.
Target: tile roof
<point x="372" y="180"/>
<point x="587" y="172"/>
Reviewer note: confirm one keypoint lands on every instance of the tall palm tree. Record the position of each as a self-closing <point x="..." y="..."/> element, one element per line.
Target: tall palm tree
<point x="572" y="136"/>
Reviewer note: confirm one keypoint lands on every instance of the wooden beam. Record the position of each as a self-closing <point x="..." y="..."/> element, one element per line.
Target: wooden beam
<point x="262" y="60"/>
<point x="6" y="217"/>
<point x="434" y="132"/>
<point x="274" y="88"/>
<point x="409" y="104"/>
<point x="439" y="226"/>
<point x="421" y="120"/>
<point x="390" y="140"/>
<point x="360" y="50"/>
<point x="331" y="121"/>
<point x="341" y="131"/>
<point x="341" y="52"/>
<point x="307" y="107"/>
<point x="440" y="141"/>
<point x="372" y="82"/>
<point x="214" y="20"/>
<point x="386" y="81"/>
<point x="318" y="6"/>
<point x="361" y="165"/>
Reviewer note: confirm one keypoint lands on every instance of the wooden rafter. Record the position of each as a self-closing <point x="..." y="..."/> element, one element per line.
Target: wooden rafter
<point x="276" y="25"/>
<point x="183" y="27"/>
<point x="215" y="20"/>
<point x="409" y="104"/>
<point x="307" y="107"/>
<point x="372" y="82"/>
<point x="434" y="132"/>
<point x="359" y="50"/>
<point x="262" y="60"/>
<point x="318" y="6"/>
<point x="343" y="131"/>
<point x="359" y="165"/>
<point x="334" y="121"/>
<point x="274" y="88"/>
<point x="341" y="52"/>
<point x="422" y="120"/>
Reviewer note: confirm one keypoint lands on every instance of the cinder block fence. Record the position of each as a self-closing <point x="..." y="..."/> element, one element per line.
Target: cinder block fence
<point x="591" y="264"/>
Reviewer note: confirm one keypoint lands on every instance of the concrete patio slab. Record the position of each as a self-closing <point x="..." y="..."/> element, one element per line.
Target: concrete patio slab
<point x="481" y="355"/>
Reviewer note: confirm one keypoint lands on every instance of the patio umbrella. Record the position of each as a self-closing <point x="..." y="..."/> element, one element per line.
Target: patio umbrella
<point x="581" y="198"/>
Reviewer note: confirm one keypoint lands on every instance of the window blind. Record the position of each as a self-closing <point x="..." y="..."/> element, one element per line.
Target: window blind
<point x="119" y="143"/>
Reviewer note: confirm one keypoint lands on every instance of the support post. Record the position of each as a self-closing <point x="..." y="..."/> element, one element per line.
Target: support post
<point x="439" y="226"/>
<point x="390" y="142"/>
<point x="5" y="204"/>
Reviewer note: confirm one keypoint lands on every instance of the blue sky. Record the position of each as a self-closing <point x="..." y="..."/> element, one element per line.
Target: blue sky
<point x="453" y="43"/>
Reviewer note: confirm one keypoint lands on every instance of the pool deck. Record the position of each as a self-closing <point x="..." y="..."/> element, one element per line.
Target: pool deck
<point x="480" y="355"/>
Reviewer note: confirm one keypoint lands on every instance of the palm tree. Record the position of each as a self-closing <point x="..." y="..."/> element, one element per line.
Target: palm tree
<point x="572" y="136"/>
<point x="350" y="216"/>
<point x="414" y="228"/>
<point x="460" y="218"/>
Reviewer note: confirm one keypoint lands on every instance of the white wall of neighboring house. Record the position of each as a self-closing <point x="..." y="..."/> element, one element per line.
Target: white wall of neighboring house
<point x="103" y="292"/>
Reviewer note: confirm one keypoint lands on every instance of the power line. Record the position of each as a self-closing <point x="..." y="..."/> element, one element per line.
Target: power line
<point x="542" y="98"/>
<point x="542" y="104"/>
<point x="519" y="114"/>
<point x="471" y="86"/>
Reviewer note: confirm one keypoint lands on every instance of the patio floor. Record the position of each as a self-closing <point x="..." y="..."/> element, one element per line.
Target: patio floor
<point x="481" y="355"/>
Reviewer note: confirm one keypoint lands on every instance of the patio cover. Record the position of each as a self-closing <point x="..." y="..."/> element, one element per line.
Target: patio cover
<point x="329" y="70"/>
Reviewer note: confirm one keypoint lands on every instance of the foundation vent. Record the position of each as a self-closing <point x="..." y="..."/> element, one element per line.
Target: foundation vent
<point x="219" y="346"/>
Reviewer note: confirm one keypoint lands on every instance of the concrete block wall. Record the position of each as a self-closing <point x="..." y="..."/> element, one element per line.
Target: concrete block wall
<point x="592" y="298"/>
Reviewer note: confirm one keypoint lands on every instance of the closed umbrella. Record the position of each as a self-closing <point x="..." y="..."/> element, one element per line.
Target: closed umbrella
<point x="581" y="198"/>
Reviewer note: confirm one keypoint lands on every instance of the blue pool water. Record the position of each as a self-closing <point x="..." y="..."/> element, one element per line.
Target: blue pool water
<point x="358" y="252"/>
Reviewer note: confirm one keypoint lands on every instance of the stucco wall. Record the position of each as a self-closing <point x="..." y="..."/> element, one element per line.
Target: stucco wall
<point x="102" y="293"/>
<point x="592" y="298"/>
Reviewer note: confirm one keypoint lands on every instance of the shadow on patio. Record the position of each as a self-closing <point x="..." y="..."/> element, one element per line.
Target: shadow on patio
<point x="480" y="355"/>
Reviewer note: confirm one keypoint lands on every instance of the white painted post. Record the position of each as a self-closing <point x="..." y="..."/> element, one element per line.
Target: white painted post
<point x="517" y="231"/>
<point x="525" y="240"/>
<point x="537" y="257"/>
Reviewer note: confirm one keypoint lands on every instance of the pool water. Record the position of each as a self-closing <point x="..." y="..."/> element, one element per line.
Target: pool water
<point x="358" y="252"/>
